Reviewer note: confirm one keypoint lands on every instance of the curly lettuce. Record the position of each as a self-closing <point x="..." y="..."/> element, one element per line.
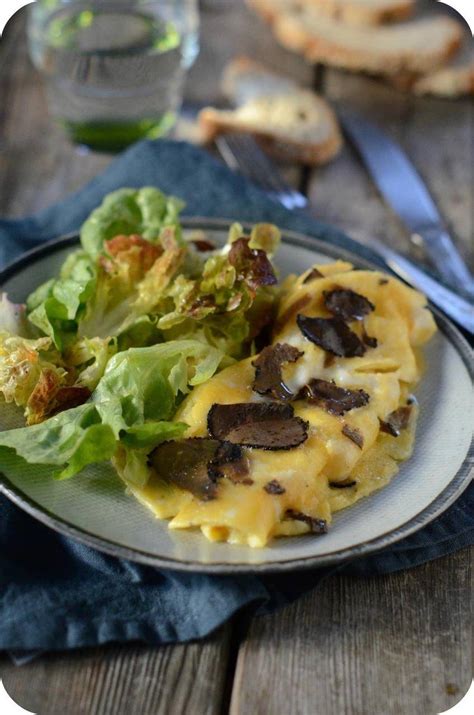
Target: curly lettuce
<point x="125" y="212"/>
<point x="135" y="282"/>
<point x="130" y="412"/>
<point x="55" y="306"/>
<point x="31" y="375"/>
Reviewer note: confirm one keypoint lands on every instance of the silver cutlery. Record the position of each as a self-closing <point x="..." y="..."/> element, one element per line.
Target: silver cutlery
<point x="240" y="152"/>
<point x="404" y="190"/>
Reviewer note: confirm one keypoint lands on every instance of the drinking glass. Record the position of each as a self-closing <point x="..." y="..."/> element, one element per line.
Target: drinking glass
<point x="114" y="69"/>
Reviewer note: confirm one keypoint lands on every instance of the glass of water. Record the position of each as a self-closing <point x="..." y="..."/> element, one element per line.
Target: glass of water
<point x="114" y="69"/>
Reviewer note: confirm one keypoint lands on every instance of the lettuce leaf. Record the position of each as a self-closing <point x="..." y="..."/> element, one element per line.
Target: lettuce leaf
<point x="31" y="374"/>
<point x="136" y="282"/>
<point x="88" y="357"/>
<point x="67" y="442"/>
<point x="231" y="300"/>
<point x="143" y="385"/>
<point x="131" y="409"/>
<point x="125" y="212"/>
<point x="133" y="275"/>
<point x="56" y="304"/>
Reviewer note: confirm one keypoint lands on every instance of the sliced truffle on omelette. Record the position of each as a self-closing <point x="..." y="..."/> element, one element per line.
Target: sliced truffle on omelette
<point x="399" y="322"/>
<point x="343" y="402"/>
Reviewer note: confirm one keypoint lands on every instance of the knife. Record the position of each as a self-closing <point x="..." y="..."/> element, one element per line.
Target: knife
<point x="402" y="187"/>
<point x="459" y="309"/>
<point x="249" y="157"/>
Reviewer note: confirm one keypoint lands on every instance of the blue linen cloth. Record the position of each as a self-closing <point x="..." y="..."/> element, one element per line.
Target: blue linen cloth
<point x="56" y="593"/>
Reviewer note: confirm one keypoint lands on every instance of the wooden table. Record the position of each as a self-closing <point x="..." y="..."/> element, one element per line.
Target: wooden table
<point x="396" y="644"/>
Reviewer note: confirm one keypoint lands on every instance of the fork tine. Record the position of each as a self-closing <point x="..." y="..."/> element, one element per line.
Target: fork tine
<point x="241" y="152"/>
<point x="256" y="163"/>
<point x="244" y="157"/>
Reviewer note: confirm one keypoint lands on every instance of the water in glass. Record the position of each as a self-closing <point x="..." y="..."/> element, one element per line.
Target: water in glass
<point x="114" y="69"/>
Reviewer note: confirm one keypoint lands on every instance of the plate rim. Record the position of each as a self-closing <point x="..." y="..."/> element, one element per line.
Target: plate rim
<point x="440" y="503"/>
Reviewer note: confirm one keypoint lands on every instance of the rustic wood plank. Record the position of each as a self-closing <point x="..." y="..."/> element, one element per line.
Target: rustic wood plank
<point x="119" y="680"/>
<point x="229" y="29"/>
<point x="397" y="645"/>
<point x="437" y="135"/>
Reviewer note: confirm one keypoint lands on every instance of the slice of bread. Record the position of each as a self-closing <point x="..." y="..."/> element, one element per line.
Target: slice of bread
<point x="417" y="46"/>
<point x="291" y="123"/>
<point x="454" y="80"/>
<point x="365" y="12"/>
<point x="451" y="82"/>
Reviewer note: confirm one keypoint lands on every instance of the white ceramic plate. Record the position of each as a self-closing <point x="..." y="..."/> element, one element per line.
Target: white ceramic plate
<point x="94" y="508"/>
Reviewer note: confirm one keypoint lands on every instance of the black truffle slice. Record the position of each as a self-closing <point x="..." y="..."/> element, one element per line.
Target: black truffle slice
<point x="353" y="434"/>
<point x="316" y="526"/>
<point x="230" y="461"/>
<point x="263" y="425"/>
<point x="332" y="398"/>
<point x="274" y="487"/>
<point x="396" y="421"/>
<point x="268" y="365"/>
<point x="312" y="275"/>
<point x="251" y="264"/>
<point x="332" y="335"/>
<point x="346" y="304"/>
<point x="186" y="464"/>
<point x="368" y="340"/>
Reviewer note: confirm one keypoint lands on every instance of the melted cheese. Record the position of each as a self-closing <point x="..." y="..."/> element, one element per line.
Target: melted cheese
<point x="247" y="514"/>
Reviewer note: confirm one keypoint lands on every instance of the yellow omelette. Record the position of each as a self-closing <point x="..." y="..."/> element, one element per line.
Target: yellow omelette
<point x="345" y="455"/>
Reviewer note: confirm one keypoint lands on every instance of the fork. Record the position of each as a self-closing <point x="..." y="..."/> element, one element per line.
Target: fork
<point x="242" y="153"/>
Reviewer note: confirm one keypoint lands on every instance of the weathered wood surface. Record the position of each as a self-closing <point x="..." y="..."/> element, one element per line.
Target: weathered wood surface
<point x="125" y="680"/>
<point x="438" y="135"/>
<point x="395" y="645"/>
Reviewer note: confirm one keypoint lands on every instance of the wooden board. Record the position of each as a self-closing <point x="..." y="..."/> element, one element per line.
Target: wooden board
<point x="396" y="645"/>
<point x="121" y="680"/>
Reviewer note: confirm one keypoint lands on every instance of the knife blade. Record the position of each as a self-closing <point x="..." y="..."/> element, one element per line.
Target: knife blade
<point x="459" y="309"/>
<point x="403" y="188"/>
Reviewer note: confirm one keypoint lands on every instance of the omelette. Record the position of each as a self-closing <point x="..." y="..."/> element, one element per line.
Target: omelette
<point x="322" y="416"/>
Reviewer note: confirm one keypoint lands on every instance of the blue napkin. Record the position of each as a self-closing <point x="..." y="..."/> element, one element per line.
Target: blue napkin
<point x="56" y="593"/>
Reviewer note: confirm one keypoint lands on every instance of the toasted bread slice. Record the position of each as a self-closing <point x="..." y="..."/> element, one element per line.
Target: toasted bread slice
<point x="418" y="46"/>
<point x="291" y="123"/>
<point x="450" y="82"/>
<point x="365" y="12"/>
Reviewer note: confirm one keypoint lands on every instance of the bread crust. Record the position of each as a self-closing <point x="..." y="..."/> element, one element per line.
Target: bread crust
<point x="355" y="13"/>
<point x="293" y="34"/>
<point x="212" y="123"/>
<point x="450" y="82"/>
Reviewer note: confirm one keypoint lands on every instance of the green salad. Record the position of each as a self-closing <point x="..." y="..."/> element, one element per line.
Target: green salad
<point x="100" y="357"/>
